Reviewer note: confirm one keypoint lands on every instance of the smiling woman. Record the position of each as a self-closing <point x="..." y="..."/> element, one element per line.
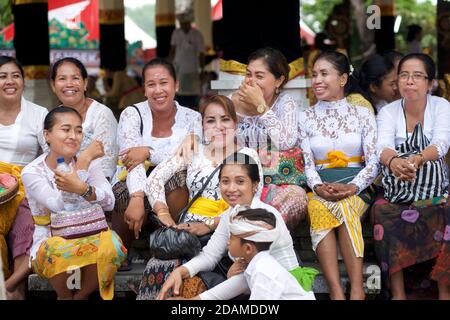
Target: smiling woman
<point x="149" y="132"/>
<point x="69" y="83"/>
<point x="64" y="238"/>
<point x="21" y="139"/>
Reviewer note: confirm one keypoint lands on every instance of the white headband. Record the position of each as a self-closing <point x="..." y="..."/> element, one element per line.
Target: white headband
<point x="258" y="231"/>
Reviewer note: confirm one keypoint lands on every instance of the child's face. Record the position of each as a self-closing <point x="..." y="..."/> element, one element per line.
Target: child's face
<point x="235" y="247"/>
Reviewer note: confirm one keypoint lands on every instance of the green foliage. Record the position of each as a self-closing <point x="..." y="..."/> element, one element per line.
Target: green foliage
<point x="144" y="17"/>
<point x="62" y="37"/>
<point x="6" y="16"/>
<point x="315" y="13"/>
<point x="423" y="14"/>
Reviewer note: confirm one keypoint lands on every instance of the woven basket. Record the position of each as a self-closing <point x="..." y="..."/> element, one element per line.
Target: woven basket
<point x="10" y="193"/>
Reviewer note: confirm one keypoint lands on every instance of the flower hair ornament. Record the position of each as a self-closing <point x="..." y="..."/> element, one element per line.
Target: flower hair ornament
<point x="351" y="70"/>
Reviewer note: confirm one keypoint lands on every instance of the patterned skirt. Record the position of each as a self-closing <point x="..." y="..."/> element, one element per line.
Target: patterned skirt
<point x="57" y="255"/>
<point x="406" y="235"/>
<point x="122" y="195"/>
<point x="327" y="215"/>
<point x="290" y="200"/>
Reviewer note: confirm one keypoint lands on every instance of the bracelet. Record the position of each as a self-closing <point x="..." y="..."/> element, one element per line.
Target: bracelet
<point x="316" y="186"/>
<point x="423" y="158"/>
<point x="137" y="195"/>
<point x="89" y="191"/>
<point x="163" y="214"/>
<point x="390" y="160"/>
<point x="357" y="188"/>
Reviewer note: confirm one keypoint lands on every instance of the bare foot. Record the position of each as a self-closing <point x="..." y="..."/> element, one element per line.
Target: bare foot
<point x="357" y="295"/>
<point x="14" y="295"/>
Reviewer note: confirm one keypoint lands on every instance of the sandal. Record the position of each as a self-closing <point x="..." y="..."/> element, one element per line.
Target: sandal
<point x="126" y="265"/>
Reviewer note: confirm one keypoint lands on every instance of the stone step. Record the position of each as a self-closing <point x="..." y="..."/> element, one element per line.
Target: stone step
<point x="129" y="281"/>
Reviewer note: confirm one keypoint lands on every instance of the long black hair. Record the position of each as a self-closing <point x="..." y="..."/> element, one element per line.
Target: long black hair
<point x="50" y="118"/>
<point x="342" y="65"/>
<point x="372" y="72"/>
<point x="246" y="162"/>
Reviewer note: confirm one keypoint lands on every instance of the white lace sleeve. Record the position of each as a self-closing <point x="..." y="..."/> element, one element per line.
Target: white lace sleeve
<point x="40" y="134"/>
<point x="369" y="139"/>
<point x="281" y="123"/>
<point x="105" y="130"/>
<point x="441" y="127"/>
<point x="386" y="125"/>
<point x="196" y="125"/>
<point x="154" y="187"/>
<point x="103" y="189"/>
<point x="312" y="176"/>
<point x="129" y="135"/>
<point x="38" y="188"/>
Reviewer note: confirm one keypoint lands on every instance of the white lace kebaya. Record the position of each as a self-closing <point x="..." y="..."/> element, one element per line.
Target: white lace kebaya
<point x="198" y="171"/>
<point x="43" y="195"/>
<point x="186" y="121"/>
<point x="339" y="126"/>
<point x="279" y="123"/>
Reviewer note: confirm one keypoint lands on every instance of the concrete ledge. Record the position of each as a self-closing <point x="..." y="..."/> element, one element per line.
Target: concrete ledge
<point x="129" y="280"/>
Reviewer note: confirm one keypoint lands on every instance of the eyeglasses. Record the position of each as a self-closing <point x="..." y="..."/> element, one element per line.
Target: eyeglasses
<point x="416" y="76"/>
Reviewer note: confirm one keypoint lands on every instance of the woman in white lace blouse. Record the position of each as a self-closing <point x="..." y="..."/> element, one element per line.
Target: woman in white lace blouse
<point x="69" y="83"/>
<point x="267" y="122"/>
<point x="203" y="216"/>
<point x="148" y="134"/>
<point x="95" y="250"/>
<point x="338" y="141"/>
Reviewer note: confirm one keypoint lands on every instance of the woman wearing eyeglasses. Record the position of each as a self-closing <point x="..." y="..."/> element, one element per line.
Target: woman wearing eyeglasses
<point x="412" y="222"/>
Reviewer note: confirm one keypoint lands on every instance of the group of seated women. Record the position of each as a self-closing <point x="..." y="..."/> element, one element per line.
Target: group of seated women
<point x="256" y="149"/>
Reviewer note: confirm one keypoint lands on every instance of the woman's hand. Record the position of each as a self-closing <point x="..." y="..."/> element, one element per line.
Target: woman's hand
<point x="327" y="193"/>
<point x="403" y="169"/>
<point x="166" y="219"/>
<point x="237" y="267"/>
<point x="251" y="94"/>
<point x="196" y="228"/>
<point x="174" y="282"/>
<point x="70" y="182"/>
<point x="134" y="156"/>
<point x="188" y="147"/>
<point x="134" y="215"/>
<point x="94" y="151"/>
<point x="341" y="190"/>
<point x="416" y="160"/>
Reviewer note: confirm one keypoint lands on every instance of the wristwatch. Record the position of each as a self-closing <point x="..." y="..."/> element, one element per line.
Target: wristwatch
<point x="210" y="224"/>
<point x="261" y="108"/>
<point x="88" y="192"/>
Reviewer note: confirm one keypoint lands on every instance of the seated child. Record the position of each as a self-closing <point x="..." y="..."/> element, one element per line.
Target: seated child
<point x="252" y="232"/>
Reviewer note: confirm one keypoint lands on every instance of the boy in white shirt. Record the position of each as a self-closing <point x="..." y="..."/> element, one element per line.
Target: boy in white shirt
<point x="252" y="232"/>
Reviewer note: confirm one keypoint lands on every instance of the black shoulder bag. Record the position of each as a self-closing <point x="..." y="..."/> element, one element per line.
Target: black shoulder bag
<point x="168" y="243"/>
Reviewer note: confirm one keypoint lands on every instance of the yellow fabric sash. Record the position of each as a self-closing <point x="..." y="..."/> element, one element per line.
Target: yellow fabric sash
<point x="236" y="67"/>
<point x="208" y="208"/>
<point x="42" y="220"/>
<point x="8" y="212"/>
<point x="338" y="159"/>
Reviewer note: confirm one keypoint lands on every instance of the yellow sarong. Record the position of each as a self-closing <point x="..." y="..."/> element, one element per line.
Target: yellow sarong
<point x="327" y="215"/>
<point x="105" y="249"/>
<point x="208" y="207"/>
<point x="8" y="212"/>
